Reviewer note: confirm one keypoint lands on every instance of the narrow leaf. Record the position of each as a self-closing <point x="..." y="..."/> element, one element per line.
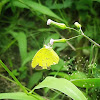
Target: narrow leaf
<point x="62" y="85"/>
<point x="36" y="7"/>
<point x="34" y="79"/>
<point x="61" y="74"/>
<point x="29" y="57"/>
<point x="87" y="83"/>
<point x="22" y="43"/>
<point x="19" y="96"/>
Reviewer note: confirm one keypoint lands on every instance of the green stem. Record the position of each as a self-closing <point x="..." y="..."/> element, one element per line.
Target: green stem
<point x="96" y="53"/>
<point x="72" y="29"/>
<point x="7" y="78"/>
<point x="12" y="75"/>
<point x="73" y="37"/>
<point x="89" y="38"/>
<point x="87" y="90"/>
<point x="84" y="36"/>
<point x="65" y="40"/>
<point x="31" y="91"/>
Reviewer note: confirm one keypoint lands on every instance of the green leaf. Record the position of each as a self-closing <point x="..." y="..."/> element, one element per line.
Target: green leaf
<point x="58" y="66"/>
<point x="78" y="75"/>
<point x="61" y="74"/>
<point x="2" y="3"/>
<point x="60" y="46"/>
<point x="18" y="4"/>
<point x="87" y="83"/>
<point x="65" y="4"/>
<point x="34" y="79"/>
<point x="22" y="43"/>
<point x="18" y="96"/>
<point x="29" y="57"/>
<point x="62" y="85"/>
<point x="37" y="7"/>
<point x="53" y="36"/>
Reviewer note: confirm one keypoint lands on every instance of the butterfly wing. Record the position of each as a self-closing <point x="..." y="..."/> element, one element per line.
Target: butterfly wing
<point x="45" y="57"/>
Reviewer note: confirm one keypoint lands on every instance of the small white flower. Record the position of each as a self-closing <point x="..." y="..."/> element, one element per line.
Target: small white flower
<point x="49" y="21"/>
<point x="51" y="41"/>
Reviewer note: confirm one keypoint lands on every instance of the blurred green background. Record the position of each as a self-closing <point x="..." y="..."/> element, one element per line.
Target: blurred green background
<point x="23" y="31"/>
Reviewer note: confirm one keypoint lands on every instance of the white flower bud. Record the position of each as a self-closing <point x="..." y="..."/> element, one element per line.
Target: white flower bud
<point x="77" y="25"/>
<point x="49" y="21"/>
<point x="59" y="25"/>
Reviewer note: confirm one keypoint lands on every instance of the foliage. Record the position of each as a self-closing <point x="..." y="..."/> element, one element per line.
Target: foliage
<point x="23" y="31"/>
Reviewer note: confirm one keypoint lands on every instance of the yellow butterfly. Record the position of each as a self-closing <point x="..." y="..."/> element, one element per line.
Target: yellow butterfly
<point x="45" y="57"/>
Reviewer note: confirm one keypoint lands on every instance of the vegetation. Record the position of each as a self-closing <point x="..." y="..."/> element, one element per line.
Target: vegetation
<point x="24" y="30"/>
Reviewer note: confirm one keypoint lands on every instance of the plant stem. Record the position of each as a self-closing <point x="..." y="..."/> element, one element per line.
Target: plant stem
<point x="12" y="75"/>
<point x="65" y="40"/>
<point x="89" y="38"/>
<point x="80" y="31"/>
<point x="7" y="78"/>
<point x="73" y="37"/>
<point x="72" y="29"/>
<point x="87" y="90"/>
<point x="31" y="91"/>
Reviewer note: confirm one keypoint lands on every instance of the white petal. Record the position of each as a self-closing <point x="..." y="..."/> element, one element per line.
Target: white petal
<point x="51" y="41"/>
<point x="49" y="21"/>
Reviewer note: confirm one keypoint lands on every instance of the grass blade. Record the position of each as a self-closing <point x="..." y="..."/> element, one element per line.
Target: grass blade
<point x="22" y="43"/>
<point x="36" y="7"/>
<point x="87" y="83"/>
<point x="12" y="75"/>
<point x="18" y="96"/>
